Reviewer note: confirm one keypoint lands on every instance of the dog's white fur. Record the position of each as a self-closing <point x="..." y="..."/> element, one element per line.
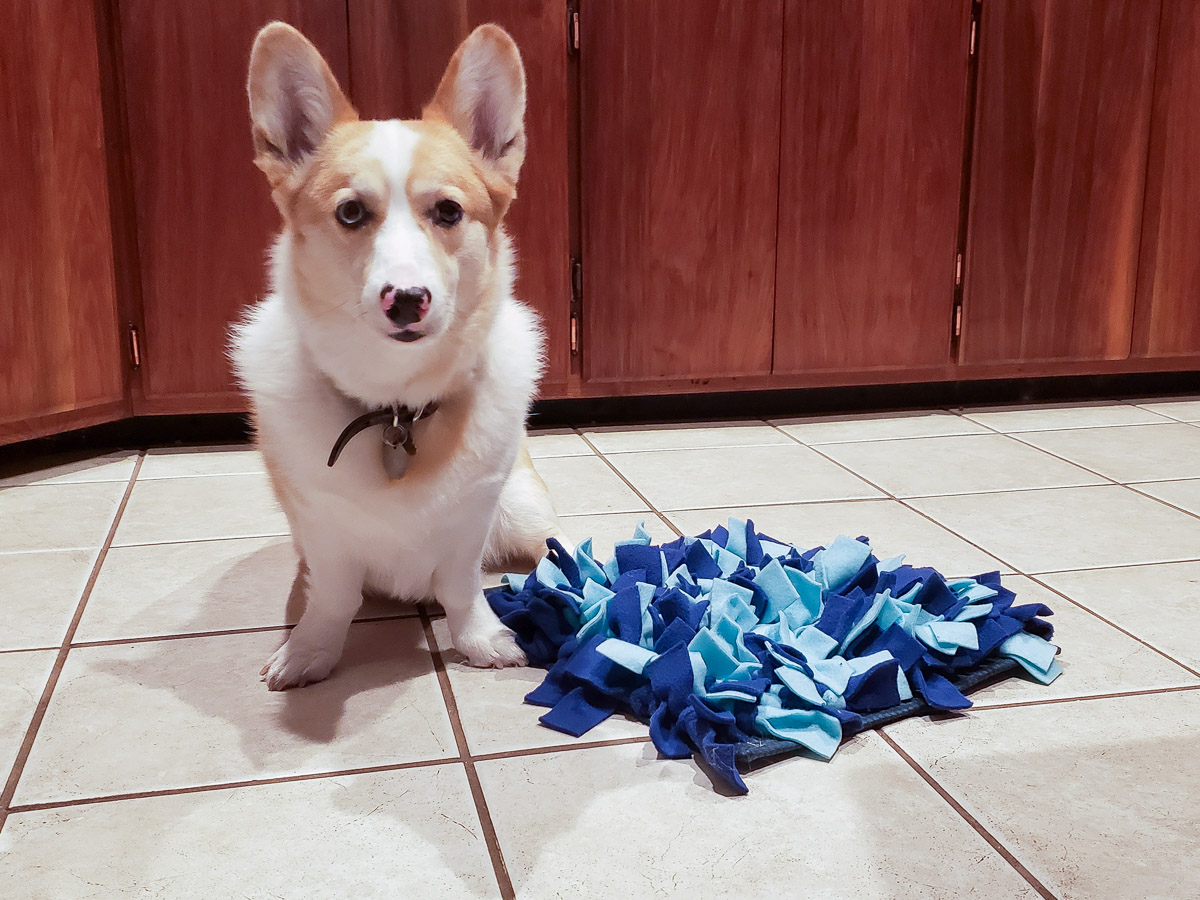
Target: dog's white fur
<point x="316" y="352"/>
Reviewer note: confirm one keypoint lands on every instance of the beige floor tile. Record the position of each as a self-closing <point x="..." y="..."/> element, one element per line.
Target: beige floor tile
<point x="581" y="485"/>
<point x="192" y="711"/>
<point x="1185" y="409"/>
<point x="1072" y="528"/>
<point x="22" y="678"/>
<point x="878" y="426"/>
<point x="1184" y="494"/>
<point x="1097" y="798"/>
<point x="193" y="509"/>
<point x="38" y="595"/>
<point x="1052" y="416"/>
<point x="628" y="825"/>
<point x="494" y="714"/>
<point x="190" y="587"/>
<point x="549" y="442"/>
<point x="694" y="479"/>
<point x="58" y="516"/>
<point x="201" y="586"/>
<point x="1096" y="658"/>
<point x="1160" y="604"/>
<point x="892" y="528"/>
<point x="624" y="438"/>
<point x="222" y="459"/>
<point x="411" y="833"/>
<point x="959" y="464"/>
<point x="70" y="468"/>
<point x="606" y="530"/>
<point x="1132" y="453"/>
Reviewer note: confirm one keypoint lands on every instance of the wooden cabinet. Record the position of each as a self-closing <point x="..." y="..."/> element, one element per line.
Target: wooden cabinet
<point x="400" y="49"/>
<point x="204" y="214"/>
<point x="762" y="193"/>
<point x="61" y="360"/>
<point x="1063" y="126"/>
<point x="874" y="112"/>
<point x="679" y="106"/>
<point x="1167" y="323"/>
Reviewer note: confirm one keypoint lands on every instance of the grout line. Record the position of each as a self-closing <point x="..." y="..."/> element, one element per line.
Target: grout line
<point x="180" y="475"/>
<point x="777" y="503"/>
<point x="1017" y="570"/>
<point x="991" y="839"/>
<point x="203" y="540"/>
<point x="559" y="748"/>
<point x="252" y="629"/>
<point x="1134" y="488"/>
<point x="630" y="485"/>
<point x="1115" y="695"/>
<point x="1112" y="624"/>
<point x="1128" y="485"/>
<point x="39" y="714"/>
<point x="1129" y="565"/>
<point x="231" y="785"/>
<point x="26" y="649"/>
<point x="1140" y="481"/>
<point x="751" y="445"/>
<point x="499" y="868"/>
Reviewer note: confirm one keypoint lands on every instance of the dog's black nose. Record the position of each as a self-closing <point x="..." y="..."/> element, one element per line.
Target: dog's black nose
<point x="404" y="307"/>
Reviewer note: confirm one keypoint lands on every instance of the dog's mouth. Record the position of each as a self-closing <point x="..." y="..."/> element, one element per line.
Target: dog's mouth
<point x="407" y="335"/>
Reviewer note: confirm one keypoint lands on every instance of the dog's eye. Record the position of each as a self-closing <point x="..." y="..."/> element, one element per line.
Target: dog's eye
<point x="447" y="213"/>
<point x="351" y="213"/>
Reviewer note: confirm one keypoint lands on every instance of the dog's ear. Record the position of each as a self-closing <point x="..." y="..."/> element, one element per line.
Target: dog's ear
<point x="294" y="100"/>
<point x="482" y="95"/>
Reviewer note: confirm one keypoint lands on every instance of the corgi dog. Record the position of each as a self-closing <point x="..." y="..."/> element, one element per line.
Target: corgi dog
<point x="390" y="369"/>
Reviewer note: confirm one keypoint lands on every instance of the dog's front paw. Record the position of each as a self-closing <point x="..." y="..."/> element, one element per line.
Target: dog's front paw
<point x="296" y="664"/>
<point x="492" y="650"/>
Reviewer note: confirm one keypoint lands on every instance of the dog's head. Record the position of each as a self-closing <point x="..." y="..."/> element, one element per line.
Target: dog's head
<point x="393" y="224"/>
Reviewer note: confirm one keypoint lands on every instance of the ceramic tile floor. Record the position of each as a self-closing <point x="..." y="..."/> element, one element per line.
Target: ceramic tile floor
<point x="140" y="592"/>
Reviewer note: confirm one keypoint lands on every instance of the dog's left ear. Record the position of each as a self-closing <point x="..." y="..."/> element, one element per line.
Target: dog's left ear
<point x="482" y="95"/>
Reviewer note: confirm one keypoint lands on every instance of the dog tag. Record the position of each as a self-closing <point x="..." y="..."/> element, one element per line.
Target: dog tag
<point x="395" y="460"/>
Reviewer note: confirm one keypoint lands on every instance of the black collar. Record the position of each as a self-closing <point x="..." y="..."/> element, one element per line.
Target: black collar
<point x="398" y="422"/>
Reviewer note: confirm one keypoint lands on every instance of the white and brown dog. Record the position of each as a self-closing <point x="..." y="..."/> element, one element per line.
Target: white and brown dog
<point x="392" y="310"/>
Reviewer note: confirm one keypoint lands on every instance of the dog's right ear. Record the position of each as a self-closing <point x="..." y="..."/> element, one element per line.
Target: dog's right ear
<point x="294" y="101"/>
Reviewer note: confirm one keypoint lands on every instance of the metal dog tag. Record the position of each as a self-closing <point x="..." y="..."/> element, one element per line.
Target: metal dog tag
<point x="395" y="460"/>
<point x="397" y="448"/>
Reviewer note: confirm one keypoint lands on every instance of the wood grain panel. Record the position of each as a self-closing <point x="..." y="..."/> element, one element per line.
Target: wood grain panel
<point x="59" y="339"/>
<point x="400" y="48"/>
<point x="205" y="219"/>
<point x="679" y="170"/>
<point x="1167" y="319"/>
<point x="874" y="100"/>
<point x="1060" y="158"/>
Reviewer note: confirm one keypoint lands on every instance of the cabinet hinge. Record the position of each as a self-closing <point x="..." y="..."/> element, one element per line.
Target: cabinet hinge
<point x="958" y="267"/>
<point x="576" y="303"/>
<point x="958" y="320"/>
<point x="572" y="30"/>
<point x="135" y="348"/>
<point x="974" y="34"/>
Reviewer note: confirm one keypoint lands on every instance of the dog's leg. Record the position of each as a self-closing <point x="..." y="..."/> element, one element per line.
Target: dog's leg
<point x="525" y="518"/>
<point x="477" y="633"/>
<point x="315" y="644"/>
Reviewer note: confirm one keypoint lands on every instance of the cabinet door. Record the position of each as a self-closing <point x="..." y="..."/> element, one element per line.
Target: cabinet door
<point x="874" y="106"/>
<point x="59" y="338"/>
<point x="399" y="50"/>
<point x="679" y="172"/>
<point x="204" y="215"/>
<point x="1168" y="305"/>
<point x="1059" y="169"/>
